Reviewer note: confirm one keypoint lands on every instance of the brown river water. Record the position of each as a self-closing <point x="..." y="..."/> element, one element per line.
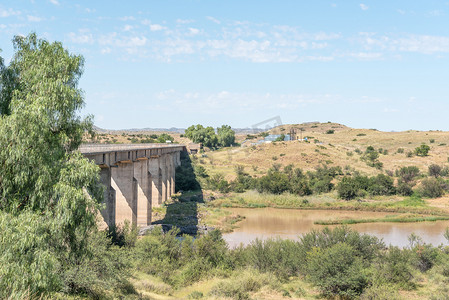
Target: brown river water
<point x="266" y="223"/>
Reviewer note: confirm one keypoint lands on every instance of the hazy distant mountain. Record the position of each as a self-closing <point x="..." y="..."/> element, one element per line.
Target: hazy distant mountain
<point x="172" y="130"/>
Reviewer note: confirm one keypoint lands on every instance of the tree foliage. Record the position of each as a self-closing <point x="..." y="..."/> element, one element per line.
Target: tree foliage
<point x="226" y="136"/>
<point x="46" y="185"/>
<point x="422" y="150"/>
<point x="203" y="135"/>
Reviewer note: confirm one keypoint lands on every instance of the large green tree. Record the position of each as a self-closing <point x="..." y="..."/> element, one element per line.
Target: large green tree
<point x="48" y="190"/>
<point x="226" y="136"/>
<point x="201" y="134"/>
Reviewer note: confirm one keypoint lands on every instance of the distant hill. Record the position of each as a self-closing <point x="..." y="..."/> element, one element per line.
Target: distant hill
<point x="168" y="130"/>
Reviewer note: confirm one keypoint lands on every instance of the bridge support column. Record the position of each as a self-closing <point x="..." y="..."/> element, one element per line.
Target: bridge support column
<point x="108" y="211"/>
<point x="172" y="172"/>
<point x="125" y="186"/>
<point x="164" y="176"/>
<point x="156" y="182"/>
<point x="144" y="190"/>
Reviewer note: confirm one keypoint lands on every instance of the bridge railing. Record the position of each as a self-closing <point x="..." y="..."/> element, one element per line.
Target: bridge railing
<point x="92" y="148"/>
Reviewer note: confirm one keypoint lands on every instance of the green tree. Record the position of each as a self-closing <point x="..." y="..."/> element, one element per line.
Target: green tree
<point x="370" y="156"/>
<point x="422" y="150"/>
<point x="44" y="180"/>
<point x="164" y="137"/>
<point x="8" y="83"/>
<point x="226" y="136"/>
<point x="200" y="134"/>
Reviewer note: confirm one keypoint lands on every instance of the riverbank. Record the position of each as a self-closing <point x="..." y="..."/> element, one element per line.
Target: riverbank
<point x="392" y="204"/>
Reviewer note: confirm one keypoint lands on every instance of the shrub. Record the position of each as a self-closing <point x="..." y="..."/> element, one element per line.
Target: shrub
<point x="400" y="150"/>
<point x="431" y="188"/>
<point x="276" y="256"/>
<point x="336" y="271"/>
<point x="423" y="256"/>
<point x="330" y="131"/>
<point x="274" y="182"/>
<point x="407" y="174"/>
<point x="350" y="187"/>
<point x="323" y="185"/>
<point x="241" y="284"/>
<point x="434" y="170"/>
<point x="422" y="150"/>
<point x="381" y="185"/>
<point x="393" y="267"/>
<point x="370" y="156"/>
<point x="404" y="189"/>
<point x="432" y="141"/>
<point x="380" y="292"/>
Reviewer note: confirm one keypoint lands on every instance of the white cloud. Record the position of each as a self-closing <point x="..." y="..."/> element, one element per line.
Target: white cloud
<point x="424" y="44"/>
<point x="436" y="13"/>
<point x="8" y="13"/>
<point x="194" y="31"/>
<point x="366" y="55"/>
<point x="127" y="18"/>
<point x="227" y="101"/>
<point x="364" y="6"/>
<point x="127" y="27"/>
<point x="216" y="21"/>
<point x="182" y="21"/>
<point x="81" y="38"/>
<point x="34" y="19"/>
<point x="106" y="50"/>
<point x="156" y="27"/>
<point x="55" y="2"/>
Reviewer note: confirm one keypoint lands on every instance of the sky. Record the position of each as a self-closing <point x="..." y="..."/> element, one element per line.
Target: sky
<point x="166" y="63"/>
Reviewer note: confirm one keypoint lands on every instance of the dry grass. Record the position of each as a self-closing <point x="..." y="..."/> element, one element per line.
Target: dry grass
<point x="332" y="149"/>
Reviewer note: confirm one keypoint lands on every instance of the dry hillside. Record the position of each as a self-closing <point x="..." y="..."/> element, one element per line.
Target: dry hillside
<point x="337" y="149"/>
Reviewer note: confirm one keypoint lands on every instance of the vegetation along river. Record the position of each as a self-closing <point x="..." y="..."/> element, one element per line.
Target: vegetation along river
<point x="266" y="223"/>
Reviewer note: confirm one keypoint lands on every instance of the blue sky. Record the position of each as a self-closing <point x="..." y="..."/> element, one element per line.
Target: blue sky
<point x="365" y="64"/>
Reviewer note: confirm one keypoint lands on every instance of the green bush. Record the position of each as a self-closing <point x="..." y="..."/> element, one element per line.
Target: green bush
<point x="275" y="182"/>
<point x="242" y="283"/>
<point x="407" y="174"/>
<point x="404" y="189"/>
<point x="435" y="170"/>
<point x="330" y="131"/>
<point x="393" y="267"/>
<point x="431" y="188"/>
<point x="337" y="271"/>
<point x="422" y="150"/>
<point x="276" y="256"/>
<point x="381" y="185"/>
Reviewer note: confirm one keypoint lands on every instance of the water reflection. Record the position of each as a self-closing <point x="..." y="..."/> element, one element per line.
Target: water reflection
<point x="290" y="223"/>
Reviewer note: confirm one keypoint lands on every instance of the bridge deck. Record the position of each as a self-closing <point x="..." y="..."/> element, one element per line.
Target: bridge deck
<point x="102" y="148"/>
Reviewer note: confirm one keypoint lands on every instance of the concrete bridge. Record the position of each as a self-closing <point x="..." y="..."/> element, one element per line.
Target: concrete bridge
<point x="136" y="177"/>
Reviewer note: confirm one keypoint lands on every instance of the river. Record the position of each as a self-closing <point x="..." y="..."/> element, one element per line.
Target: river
<point x="265" y="223"/>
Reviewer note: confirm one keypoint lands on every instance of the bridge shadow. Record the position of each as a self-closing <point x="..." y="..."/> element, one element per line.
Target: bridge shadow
<point x="181" y="210"/>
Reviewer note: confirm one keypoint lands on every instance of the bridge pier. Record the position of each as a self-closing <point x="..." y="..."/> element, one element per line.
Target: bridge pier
<point x="156" y="182"/>
<point x="136" y="179"/>
<point x="143" y="177"/>
<point x="125" y="186"/>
